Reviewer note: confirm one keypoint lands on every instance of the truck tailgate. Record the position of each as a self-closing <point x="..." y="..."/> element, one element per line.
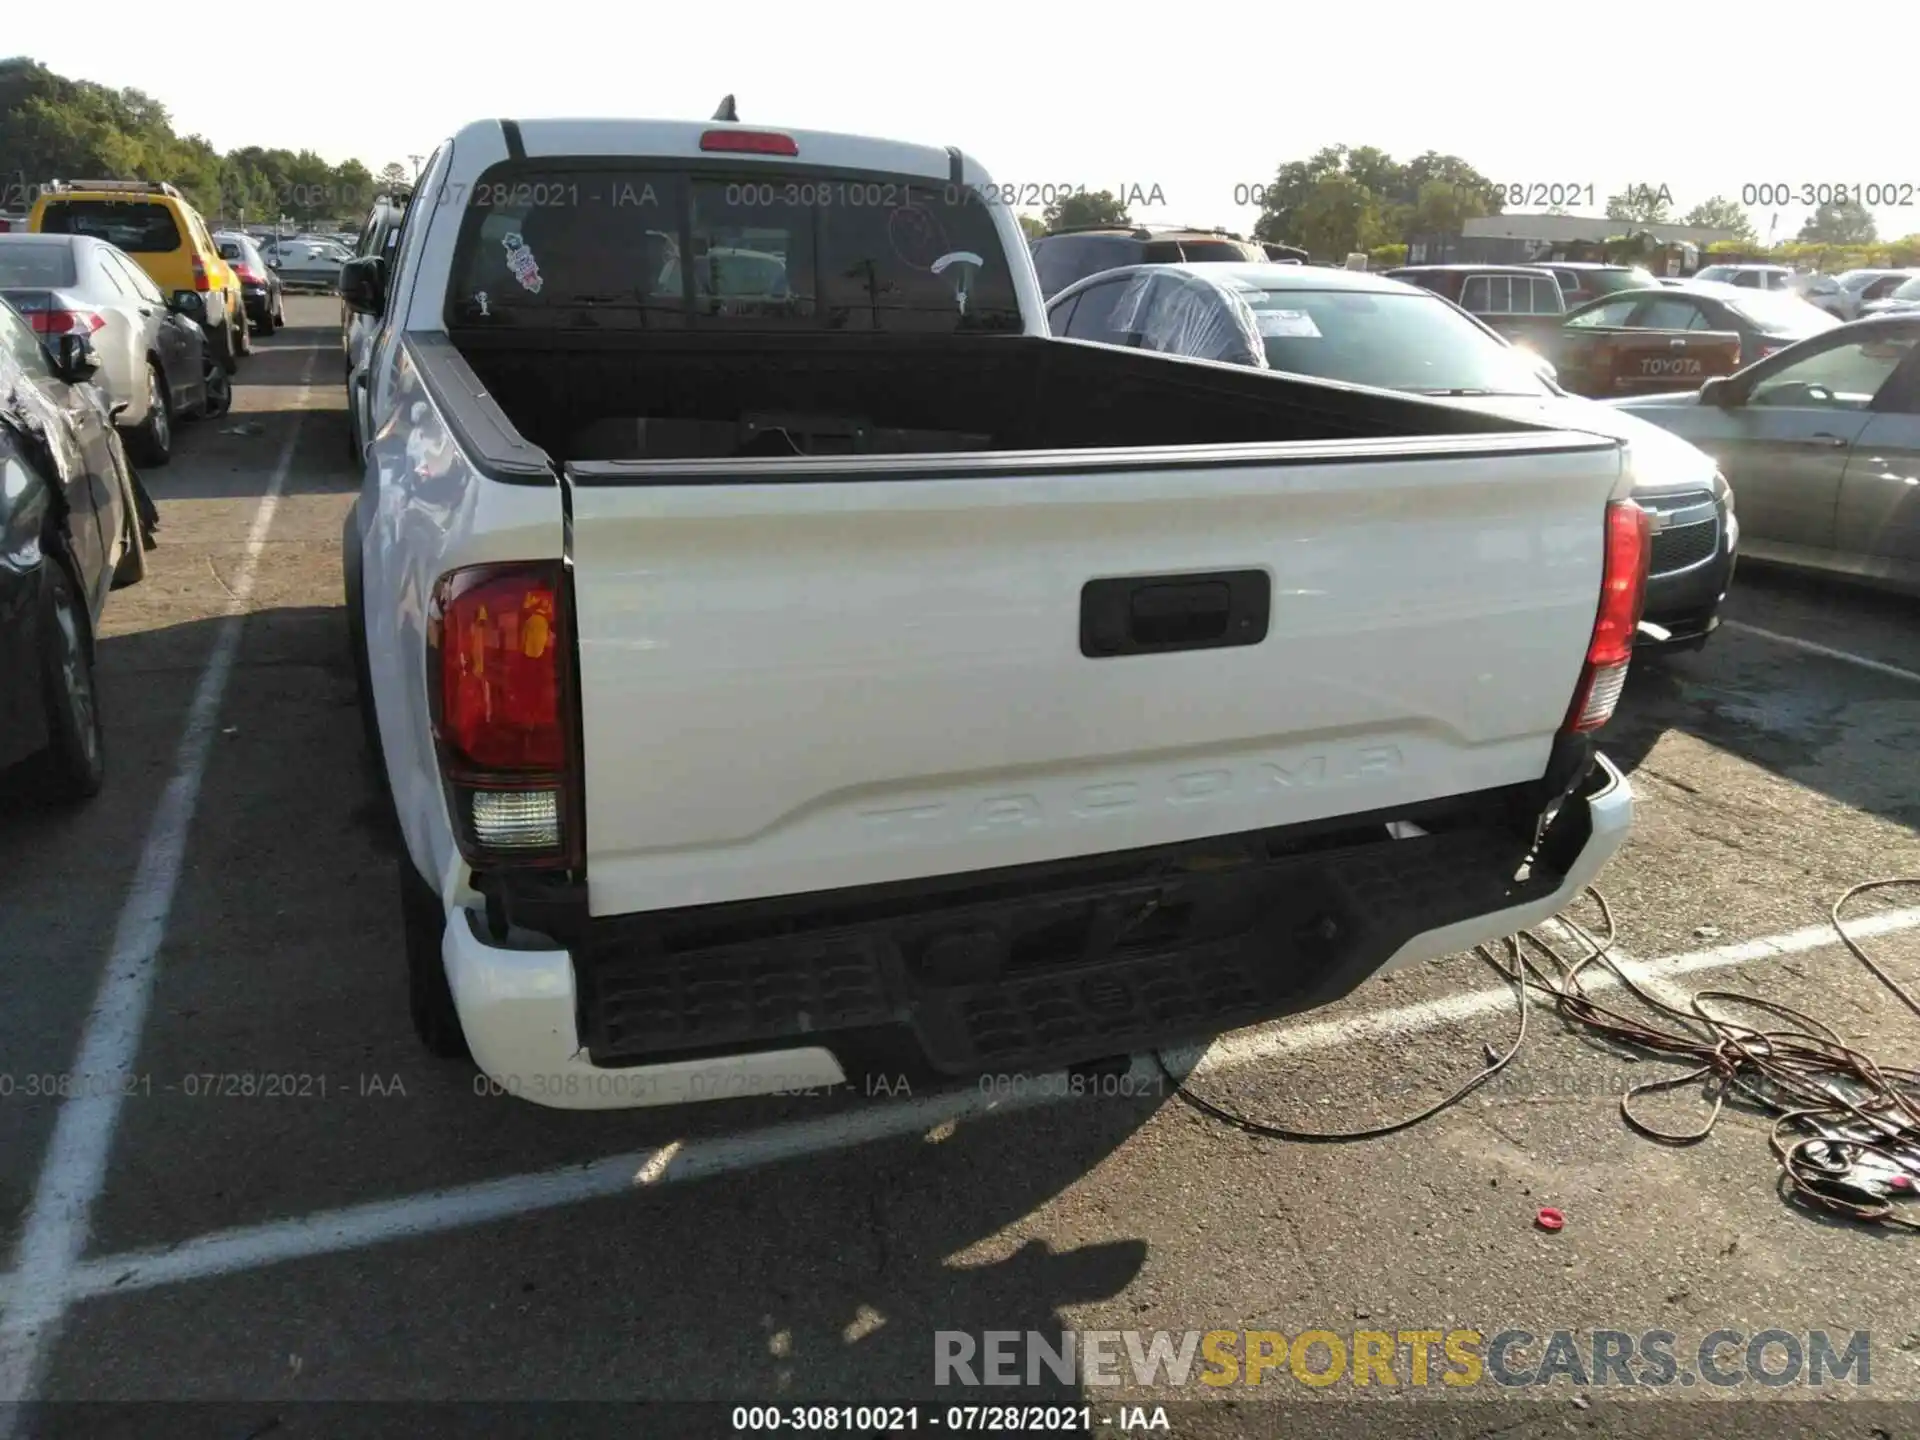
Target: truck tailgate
<point x="858" y="672"/>
<point x="1636" y="362"/>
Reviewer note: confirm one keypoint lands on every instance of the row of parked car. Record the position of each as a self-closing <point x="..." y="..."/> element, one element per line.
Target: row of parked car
<point x="167" y="307"/>
<point x="75" y="521"/>
<point x="1812" y="423"/>
<point x="121" y="313"/>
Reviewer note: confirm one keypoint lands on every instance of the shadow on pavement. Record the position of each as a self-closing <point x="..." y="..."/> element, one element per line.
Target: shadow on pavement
<point x="826" y="1274"/>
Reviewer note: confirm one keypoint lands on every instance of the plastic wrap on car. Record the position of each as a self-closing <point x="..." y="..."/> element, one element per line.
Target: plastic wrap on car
<point x="1202" y="316"/>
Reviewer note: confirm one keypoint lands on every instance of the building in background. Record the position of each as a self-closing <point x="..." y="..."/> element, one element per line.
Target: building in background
<point x="1516" y="239"/>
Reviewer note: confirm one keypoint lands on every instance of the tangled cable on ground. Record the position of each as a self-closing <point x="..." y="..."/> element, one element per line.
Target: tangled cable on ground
<point x="1846" y="1131"/>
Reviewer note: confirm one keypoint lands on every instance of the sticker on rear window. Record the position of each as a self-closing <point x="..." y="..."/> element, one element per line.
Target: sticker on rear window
<point x="1297" y="323"/>
<point x="520" y="261"/>
<point x="961" y="258"/>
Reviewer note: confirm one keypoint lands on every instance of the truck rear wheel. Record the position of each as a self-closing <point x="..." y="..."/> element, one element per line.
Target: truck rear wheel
<point x="429" y="997"/>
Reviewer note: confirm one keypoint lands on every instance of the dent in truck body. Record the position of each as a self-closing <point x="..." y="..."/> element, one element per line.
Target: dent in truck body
<point x="524" y="1003"/>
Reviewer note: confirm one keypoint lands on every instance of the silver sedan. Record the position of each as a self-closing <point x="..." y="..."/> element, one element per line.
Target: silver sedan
<point x="1821" y="443"/>
<point x="153" y="363"/>
<point x="1904" y="296"/>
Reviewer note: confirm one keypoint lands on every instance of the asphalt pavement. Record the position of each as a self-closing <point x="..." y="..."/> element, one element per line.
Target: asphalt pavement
<point x="295" y="1204"/>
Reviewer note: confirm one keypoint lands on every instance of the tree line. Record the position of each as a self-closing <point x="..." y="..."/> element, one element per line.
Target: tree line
<point x="1344" y="199"/>
<point x="52" y="127"/>
<point x="1339" y="200"/>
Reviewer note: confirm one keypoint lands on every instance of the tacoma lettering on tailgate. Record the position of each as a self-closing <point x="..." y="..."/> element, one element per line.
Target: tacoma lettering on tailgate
<point x="1065" y="803"/>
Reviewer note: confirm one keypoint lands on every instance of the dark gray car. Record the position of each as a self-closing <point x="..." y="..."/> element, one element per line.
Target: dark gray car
<point x="1821" y="443"/>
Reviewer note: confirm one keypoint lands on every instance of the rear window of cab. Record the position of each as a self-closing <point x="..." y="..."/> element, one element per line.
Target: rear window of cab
<point x="140" y="227"/>
<point x="595" y="246"/>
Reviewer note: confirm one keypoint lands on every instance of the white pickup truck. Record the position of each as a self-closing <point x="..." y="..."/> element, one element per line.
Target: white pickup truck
<point x="789" y="664"/>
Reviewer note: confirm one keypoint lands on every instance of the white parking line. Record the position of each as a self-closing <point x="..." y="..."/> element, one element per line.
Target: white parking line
<point x="358" y="1227"/>
<point x="71" y="1178"/>
<point x="1815" y="648"/>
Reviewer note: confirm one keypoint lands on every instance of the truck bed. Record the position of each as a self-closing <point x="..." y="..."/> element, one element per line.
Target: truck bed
<point x="622" y="397"/>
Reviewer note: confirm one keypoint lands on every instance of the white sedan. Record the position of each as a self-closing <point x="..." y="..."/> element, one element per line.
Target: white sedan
<point x="307" y="262"/>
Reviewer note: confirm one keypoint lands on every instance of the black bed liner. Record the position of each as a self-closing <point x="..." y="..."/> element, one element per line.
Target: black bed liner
<point x="518" y="402"/>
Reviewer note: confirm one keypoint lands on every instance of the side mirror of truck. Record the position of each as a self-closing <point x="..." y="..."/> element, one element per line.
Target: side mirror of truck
<point x="363" y="284"/>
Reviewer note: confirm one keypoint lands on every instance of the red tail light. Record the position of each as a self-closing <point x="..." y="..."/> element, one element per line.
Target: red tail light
<point x="66" y="322"/>
<point x="248" y="275"/>
<point x="200" y="281"/>
<point x="751" y="142"/>
<point x="501" y="690"/>
<point x="1623" y="589"/>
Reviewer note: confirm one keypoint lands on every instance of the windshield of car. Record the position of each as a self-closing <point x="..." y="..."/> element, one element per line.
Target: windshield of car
<point x="1781" y="312"/>
<point x="1907" y="290"/>
<point x="137" y="226"/>
<point x="613" y="246"/>
<point x="27" y="266"/>
<point x="1393" y="340"/>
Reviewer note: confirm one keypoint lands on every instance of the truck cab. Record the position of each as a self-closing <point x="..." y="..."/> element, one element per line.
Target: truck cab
<point x="1520" y="302"/>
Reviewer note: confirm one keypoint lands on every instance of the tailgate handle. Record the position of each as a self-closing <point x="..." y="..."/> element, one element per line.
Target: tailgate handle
<point x="1148" y="615"/>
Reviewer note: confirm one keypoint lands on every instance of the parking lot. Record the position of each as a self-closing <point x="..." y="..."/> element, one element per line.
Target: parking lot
<point x="374" y="1229"/>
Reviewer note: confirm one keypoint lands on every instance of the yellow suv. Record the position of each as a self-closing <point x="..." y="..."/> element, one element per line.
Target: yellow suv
<point x="154" y="224"/>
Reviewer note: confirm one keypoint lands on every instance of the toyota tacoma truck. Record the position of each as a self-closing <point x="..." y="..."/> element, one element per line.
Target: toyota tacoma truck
<point x="1593" y="357"/>
<point x="788" y="663"/>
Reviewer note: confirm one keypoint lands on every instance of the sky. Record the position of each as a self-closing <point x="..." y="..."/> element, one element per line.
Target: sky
<point x="1192" y="112"/>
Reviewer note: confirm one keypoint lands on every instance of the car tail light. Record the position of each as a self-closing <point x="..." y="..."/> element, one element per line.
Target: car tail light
<point x="500" y="687"/>
<point x="751" y="142"/>
<point x="200" y="281"/>
<point x="248" y="275"/>
<point x="1623" y="589"/>
<point x="66" y="322"/>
